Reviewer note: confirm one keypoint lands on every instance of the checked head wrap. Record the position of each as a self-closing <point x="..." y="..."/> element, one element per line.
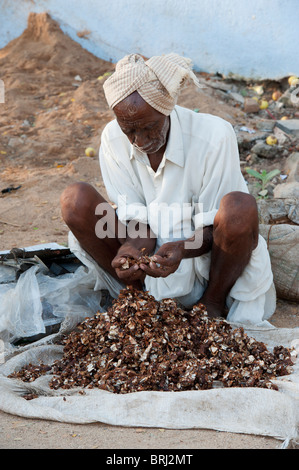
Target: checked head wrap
<point x="158" y="80"/>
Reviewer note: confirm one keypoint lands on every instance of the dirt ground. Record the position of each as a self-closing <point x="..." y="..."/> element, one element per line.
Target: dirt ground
<point x="54" y="109"/>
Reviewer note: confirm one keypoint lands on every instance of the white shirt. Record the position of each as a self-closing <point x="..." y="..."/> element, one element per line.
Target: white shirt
<point x="200" y="165"/>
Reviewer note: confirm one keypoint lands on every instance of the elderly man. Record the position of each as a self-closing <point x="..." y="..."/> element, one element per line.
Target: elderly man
<point x="175" y="178"/>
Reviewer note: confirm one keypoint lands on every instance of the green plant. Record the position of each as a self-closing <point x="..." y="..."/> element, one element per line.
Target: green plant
<point x="264" y="179"/>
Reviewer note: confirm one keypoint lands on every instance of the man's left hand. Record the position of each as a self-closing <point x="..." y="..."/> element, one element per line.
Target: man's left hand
<point x="166" y="261"/>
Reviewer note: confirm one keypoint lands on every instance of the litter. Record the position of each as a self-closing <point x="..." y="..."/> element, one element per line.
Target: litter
<point x="247" y="129"/>
<point x="39" y="285"/>
<point x="10" y="189"/>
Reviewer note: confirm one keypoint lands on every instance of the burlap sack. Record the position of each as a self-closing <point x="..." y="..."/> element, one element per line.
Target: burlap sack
<point x="283" y="243"/>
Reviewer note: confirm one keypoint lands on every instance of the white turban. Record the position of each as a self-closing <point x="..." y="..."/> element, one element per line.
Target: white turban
<point x="158" y="80"/>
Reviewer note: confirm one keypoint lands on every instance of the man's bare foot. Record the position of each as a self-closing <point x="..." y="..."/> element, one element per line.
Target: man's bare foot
<point x="215" y="309"/>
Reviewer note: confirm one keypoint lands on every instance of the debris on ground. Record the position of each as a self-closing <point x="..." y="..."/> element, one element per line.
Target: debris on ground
<point x="144" y="344"/>
<point x="9" y="189"/>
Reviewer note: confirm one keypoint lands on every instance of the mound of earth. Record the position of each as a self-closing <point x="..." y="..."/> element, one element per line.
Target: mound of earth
<point x="54" y="102"/>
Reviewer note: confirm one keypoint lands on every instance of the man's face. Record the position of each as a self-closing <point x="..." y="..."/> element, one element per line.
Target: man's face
<point x="146" y="128"/>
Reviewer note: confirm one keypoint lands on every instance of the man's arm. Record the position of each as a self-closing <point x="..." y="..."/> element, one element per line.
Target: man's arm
<point x="206" y="243"/>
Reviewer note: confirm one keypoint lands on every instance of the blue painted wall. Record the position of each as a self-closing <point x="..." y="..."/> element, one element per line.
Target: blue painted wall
<point x="256" y="38"/>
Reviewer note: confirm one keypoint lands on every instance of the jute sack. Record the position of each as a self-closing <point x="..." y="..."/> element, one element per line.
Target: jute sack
<point x="283" y="241"/>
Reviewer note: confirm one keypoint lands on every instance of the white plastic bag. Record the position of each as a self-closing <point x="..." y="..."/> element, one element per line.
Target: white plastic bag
<point x="36" y="301"/>
<point x="21" y="307"/>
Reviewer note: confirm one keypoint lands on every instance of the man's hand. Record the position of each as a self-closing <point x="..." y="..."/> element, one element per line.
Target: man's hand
<point x="166" y="260"/>
<point x="133" y="273"/>
<point x="133" y="248"/>
<point x="169" y="256"/>
<point x="163" y="263"/>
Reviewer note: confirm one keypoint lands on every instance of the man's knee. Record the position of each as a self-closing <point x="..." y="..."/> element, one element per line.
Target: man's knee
<point x="76" y="202"/>
<point x="238" y="217"/>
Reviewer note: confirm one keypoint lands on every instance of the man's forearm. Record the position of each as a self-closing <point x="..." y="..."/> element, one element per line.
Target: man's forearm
<point x="206" y="239"/>
<point x="141" y="237"/>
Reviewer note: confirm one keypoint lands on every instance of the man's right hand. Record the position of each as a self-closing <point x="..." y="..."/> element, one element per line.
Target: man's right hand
<point x="132" y="274"/>
<point x="134" y="248"/>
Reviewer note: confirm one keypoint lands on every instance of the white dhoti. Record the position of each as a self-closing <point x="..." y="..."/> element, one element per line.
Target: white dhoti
<point x="252" y="300"/>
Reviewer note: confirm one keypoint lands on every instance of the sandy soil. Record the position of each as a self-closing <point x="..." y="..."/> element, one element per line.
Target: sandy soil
<point x="54" y="109"/>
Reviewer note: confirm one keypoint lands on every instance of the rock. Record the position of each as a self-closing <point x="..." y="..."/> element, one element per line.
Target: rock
<point x="237" y="97"/>
<point x="287" y="190"/>
<point x="271" y="210"/>
<point x="282" y="241"/>
<point x="247" y="140"/>
<point x="253" y="158"/>
<point x="290" y="126"/>
<point x="277" y="210"/>
<point x="292" y="207"/>
<point x="291" y="167"/>
<point x="251" y="106"/>
<point x="218" y="85"/>
<point x="280" y="136"/>
<point x="267" y="151"/>
<point x="270" y="189"/>
<point x="265" y="125"/>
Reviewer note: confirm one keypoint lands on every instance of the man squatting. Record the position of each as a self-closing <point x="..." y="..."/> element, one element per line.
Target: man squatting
<point x="152" y="155"/>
